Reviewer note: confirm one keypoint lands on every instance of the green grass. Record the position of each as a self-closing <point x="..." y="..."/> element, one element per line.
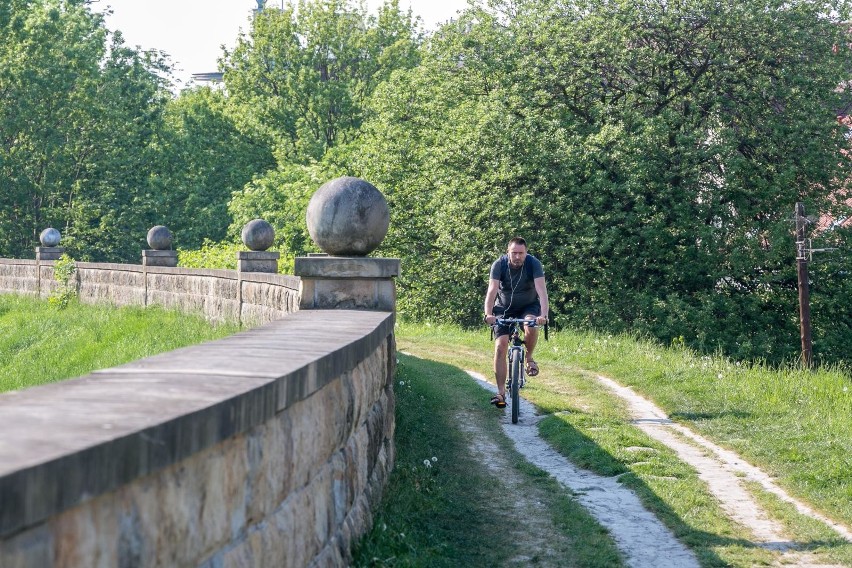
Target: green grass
<point x="41" y="344"/>
<point x="792" y="423"/>
<point x="453" y="512"/>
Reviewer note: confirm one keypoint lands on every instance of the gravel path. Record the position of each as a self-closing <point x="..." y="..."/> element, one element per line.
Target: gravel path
<point x="637" y="533"/>
<point x="640" y="536"/>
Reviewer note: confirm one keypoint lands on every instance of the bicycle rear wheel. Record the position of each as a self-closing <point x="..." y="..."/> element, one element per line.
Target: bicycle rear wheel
<point x="515" y="374"/>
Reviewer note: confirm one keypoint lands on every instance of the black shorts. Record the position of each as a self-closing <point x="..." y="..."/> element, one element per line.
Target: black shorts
<point x="533" y="309"/>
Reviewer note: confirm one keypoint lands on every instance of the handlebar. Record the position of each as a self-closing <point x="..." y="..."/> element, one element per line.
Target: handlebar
<point x="509" y="321"/>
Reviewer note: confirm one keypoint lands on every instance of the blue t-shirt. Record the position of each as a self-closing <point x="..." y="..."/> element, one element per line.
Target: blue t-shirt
<point x="517" y="286"/>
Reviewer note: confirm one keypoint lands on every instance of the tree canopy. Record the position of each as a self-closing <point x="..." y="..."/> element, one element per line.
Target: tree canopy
<point x="77" y="110"/>
<point x="303" y="78"/>
<point x="650" y="151"/>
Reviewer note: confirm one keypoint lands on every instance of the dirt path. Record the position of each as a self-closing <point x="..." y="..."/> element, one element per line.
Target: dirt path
<point x="538" y="540"/>
<point x="642" y="539"/>
<point x="637" y="533"/>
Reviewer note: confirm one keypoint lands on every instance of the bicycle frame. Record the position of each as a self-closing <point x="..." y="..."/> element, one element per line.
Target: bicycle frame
<point x="515" y="355"/>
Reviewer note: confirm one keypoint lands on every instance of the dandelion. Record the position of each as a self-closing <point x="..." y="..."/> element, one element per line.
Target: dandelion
<point x="845" y="389"/>
<point x="434" y="458"/>
<point x="402" y="383"/>
<point x="719" y="376"/>
<point x="427" y="463"/>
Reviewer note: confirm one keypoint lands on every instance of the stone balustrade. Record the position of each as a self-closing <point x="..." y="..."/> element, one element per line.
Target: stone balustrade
<point x="220" y="295"/>
<point x="266" y="448"/>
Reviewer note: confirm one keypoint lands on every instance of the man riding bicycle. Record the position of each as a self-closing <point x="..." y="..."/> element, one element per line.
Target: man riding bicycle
<point x="516" y="289"/>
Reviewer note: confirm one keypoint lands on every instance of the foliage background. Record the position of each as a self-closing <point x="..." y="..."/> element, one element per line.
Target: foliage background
<point x="651" y="152"/>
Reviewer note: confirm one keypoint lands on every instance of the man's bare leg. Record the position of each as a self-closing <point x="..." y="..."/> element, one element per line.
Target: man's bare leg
<point x="501" y="367"/>
<point x="530" y="340"/>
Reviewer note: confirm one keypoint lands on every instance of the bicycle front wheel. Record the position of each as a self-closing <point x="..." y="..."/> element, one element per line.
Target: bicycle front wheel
<point x="515" y="374"/>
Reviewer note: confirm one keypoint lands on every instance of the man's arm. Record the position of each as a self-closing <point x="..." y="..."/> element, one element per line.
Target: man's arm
<point x="541" y="288"/>
<point x="490" y="298"/>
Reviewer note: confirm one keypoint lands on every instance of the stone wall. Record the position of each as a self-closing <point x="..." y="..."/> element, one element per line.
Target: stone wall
<point x="266" y="448"/>
<point x="248" y="297"/>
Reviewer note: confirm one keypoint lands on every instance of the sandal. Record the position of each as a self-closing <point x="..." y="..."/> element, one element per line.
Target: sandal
<point x="532" y="368"/>
<point x="498" y="400"/>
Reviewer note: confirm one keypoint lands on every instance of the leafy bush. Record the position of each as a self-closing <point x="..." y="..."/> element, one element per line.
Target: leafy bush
<point x="211" y="255"/>
<point x="64" y="272"/>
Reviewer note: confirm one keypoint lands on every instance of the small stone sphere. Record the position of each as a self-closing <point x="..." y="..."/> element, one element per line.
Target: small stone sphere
<point x="258" y="235"/>
<point x="348" y="216"/>
<point x="49" y="237"/>
<point x="160" y="238"/>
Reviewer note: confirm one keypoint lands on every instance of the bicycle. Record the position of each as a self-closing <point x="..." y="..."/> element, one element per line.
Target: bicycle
<point x="515" y="379"/>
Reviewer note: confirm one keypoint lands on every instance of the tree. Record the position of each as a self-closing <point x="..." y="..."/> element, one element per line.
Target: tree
<point x="202" y="160"/>
<point x="650" y="151"/>
<point x="303" y="75"/>
<point x="303" y="79"/>
<point x="76" y="118"/>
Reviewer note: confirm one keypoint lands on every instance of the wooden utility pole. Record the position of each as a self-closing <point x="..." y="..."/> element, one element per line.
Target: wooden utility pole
<point x="804" y="290"/>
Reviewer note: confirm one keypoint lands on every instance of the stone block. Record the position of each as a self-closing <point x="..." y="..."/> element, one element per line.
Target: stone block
<point x="49" y="253"/>
<point x="86" y="535"/>
<point x="257" y="261"/>
<point x="159" y="258"/>
<point x="321" y="501"/>
<point x="283" y="526"/>
<point x="318" y="430"/>
<point x="345" y="267"/>
<point x="33" y="547"/>
<point x="357" y="454"/>
<point x="269" y="462"/>
<point x="348" y="294"/>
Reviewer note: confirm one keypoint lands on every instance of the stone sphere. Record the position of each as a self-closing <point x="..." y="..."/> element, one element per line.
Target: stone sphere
<point x="160" y="238"/>
<point x="348" y="216"/>
<point x="258" y="235"/>
<point x="49" y="237"/>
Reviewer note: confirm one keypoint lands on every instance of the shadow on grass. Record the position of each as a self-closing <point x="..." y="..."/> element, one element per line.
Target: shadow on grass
<point x="698" y="416"/>
<point x="588" y="454"/>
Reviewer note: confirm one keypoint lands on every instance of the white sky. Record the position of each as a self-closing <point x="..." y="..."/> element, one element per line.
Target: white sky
<point x="193" y="31"/>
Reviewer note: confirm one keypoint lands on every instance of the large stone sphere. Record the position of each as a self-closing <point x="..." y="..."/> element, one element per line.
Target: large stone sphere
<point x="348" y="216"/>
<point x="160" y="238"/>
<point x="49" y="237"/>
<point x="258" y="235"/>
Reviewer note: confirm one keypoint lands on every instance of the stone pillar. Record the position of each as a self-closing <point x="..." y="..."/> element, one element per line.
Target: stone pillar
<point x="49" y="249"/>
<point x="347" y="218"/>
<point x="49" y="253"/>
<point x="160" y="253"/>
<point x="159" y="258"/>
<point x="347" y="282"/>
<point x="258" y="235"/>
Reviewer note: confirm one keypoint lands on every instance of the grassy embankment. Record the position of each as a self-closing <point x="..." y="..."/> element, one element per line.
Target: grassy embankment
<point x="794" y="424"/>
<point x="41" y="344"/>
